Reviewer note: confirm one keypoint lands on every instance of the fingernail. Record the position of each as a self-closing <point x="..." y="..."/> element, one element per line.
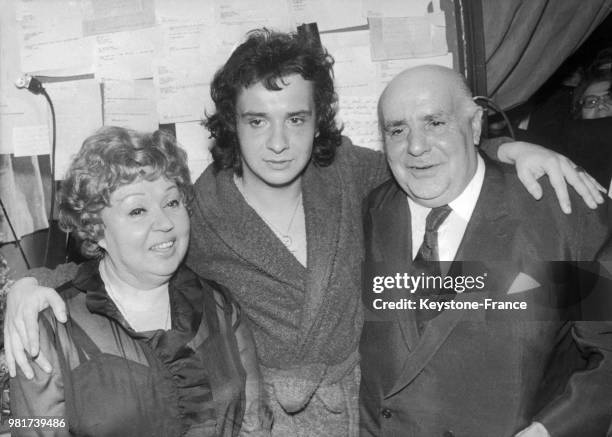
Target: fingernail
<point x="29" y="375"/>
<point x="47" y="368"/>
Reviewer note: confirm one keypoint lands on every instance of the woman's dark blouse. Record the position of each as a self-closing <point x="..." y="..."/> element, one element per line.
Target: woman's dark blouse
<point x="109" y="380"/>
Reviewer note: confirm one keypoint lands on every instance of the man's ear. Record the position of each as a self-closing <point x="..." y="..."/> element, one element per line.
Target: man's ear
<point x="477" y="124"/>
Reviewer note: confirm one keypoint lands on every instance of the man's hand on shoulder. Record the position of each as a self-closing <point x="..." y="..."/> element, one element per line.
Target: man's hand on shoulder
<point x="533" y="161"/>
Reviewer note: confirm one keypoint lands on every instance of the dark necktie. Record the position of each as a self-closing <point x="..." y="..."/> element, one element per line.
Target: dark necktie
<point x="429" y="248"/>
<point x="427" y="262"/>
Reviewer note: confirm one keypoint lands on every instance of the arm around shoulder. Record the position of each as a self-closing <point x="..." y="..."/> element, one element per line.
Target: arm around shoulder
<point x="43" y="394"/>
<point x="53" y="277"/>
<point x="369" y="167"/>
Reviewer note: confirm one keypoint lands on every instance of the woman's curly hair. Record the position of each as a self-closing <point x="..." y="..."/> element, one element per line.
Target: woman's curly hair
<point x="268" y="57"/>
<point x="110" y="158"/>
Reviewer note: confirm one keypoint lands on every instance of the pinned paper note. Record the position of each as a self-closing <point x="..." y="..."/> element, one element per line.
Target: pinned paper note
<point x="21" y="192"/>
<point x="31" y="140"/>
<point x="126" y="55"/>
<point x="359" y="116"/>
<point x="130" y="104"/>
<point x="78" y="108"/>
<point x="387" y="70"/>
<point x="182" y="86"/>
<point x="408" y="37"/>
<point x="328" y="15"/>
<point x="253" y="13"/>
<point x="104" y="16"/>
<point x="52" y="40"/>
<point x="354" y="72"/>
<point x="399" y="8"/>
<point x="184" y="11"/>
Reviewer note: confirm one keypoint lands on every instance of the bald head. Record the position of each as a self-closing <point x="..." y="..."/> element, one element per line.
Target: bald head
<point x="430" y="126"/>
<point x="432" y="77"/>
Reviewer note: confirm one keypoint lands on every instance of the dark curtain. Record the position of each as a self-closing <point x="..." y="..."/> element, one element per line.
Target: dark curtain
<point x="527" y="40"/>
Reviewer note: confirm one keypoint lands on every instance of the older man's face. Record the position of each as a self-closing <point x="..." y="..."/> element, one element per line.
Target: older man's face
<point x="429" y="140"/>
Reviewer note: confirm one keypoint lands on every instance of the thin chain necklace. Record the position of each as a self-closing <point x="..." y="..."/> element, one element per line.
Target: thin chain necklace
<point x="168" y="322"/>
<point x="283" y="236"/>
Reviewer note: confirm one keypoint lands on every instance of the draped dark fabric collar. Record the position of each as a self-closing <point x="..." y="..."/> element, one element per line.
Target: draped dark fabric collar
<point x="173" y="347"/>
<point x="185" y="300"/>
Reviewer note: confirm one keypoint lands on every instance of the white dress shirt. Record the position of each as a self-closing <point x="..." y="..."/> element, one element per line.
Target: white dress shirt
<point x="451" y="231"/>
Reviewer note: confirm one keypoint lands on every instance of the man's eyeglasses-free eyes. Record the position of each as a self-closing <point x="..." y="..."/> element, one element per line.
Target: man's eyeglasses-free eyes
<point x="595" y="101"/>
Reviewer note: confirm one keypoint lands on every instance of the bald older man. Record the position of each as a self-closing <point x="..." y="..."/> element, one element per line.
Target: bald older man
<point x="438" y="358"/>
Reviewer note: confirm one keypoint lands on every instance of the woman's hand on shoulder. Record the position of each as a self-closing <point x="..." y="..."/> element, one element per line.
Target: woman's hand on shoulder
<point x="21" y="336"/>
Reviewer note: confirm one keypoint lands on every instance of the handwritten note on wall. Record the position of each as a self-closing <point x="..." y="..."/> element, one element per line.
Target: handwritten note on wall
<point x="408" y="37"/>
<point x="51" y="37"/>
<point x="131" y="104"/>
<point x="358" y="114"/>
<point x="106" y="16"/>
<point x="126" y="55"/>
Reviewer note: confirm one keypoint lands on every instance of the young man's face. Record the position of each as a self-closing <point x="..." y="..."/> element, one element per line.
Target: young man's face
<point x="276" y="130"/>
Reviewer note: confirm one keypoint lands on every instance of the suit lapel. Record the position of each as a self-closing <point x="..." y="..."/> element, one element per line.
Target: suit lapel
<point x="324" y="207"/>
<point x="391" y="234"/>
<point x="392" y="229"/>
<point x="489" y="229"/>
<point x="487" y="237"/>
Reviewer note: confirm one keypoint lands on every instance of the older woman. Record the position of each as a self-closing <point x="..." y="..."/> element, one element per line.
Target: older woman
<point x="150" y="348"/>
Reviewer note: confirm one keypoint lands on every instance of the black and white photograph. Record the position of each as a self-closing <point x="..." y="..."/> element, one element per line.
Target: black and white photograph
<point x="306" y="218"/>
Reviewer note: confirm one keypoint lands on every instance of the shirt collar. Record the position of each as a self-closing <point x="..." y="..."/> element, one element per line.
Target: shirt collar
<point x="464" y="204"/>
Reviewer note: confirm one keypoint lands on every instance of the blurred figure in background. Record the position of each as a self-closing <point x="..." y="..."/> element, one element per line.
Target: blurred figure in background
<point x="592" y="97"/>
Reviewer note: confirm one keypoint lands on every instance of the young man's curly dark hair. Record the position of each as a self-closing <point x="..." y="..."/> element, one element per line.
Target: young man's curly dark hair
<point x="268" y="57"/>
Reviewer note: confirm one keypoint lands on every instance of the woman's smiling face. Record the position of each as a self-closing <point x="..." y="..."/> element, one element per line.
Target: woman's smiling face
<point x="146" y="232"/>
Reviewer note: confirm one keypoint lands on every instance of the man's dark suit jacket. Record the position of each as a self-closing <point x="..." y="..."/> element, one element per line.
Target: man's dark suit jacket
<point x="484" y="373"/>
